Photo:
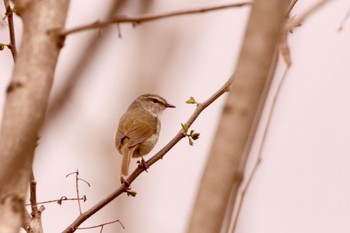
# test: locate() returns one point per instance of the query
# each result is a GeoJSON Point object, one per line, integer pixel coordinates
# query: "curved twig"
{"type": "Point", "coordinates": [101, 225]}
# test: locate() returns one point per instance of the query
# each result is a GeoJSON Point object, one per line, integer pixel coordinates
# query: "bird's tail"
{"type": "Point", "coordinates": [127, 154]}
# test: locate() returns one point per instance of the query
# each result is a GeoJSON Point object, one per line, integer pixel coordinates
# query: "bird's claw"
{"type": "Point", "coordinates": [142, 164]}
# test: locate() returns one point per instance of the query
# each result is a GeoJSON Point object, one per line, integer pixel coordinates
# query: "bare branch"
{"type": "Point", "coordinates": [32, 222]}
{"type": "Point", "coordinates": [299, 20]}
{"type": "Point", "coordinates": [33, 202]}
{"type": "Point", "coordinates": [292, 23]}
{"type": "Point", "coordinates": [140, 169]}
{"type": "Point", "coordinates": [347, 15]}
{"type": "Point", "coordinates": [9, 14]}
{"type": "Point", "coordinates": [59, 201]}
{"type": "Point", "coordinates": [291, 6]}
{"type": "Point", "coordinates": [148, 17]}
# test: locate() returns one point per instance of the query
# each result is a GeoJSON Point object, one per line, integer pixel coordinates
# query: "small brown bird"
{"type": "Point", "coordinates": [139, 128]}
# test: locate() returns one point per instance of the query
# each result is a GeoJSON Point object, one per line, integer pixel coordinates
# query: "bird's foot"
{"type": "Point", "coordinates": [142, 164]}
{"type": "Point", "coordinates": [123, 181]}
{"type": "Point", "coordinates": [127, 188]}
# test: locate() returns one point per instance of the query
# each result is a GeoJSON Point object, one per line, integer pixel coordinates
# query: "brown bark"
{"type": "Point", "coordinates": [26, 102]}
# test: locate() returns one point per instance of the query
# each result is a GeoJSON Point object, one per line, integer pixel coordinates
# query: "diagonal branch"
{"type": "Point", "coordinates": [347, 15]}
{"type": "Point", "coordinates": [149, 17]}
{"type": "Point", "coordinates": [124, 187]}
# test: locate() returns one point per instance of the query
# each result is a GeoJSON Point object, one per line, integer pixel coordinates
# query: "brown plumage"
{"type": "Point", "coordinates": [139, 127]}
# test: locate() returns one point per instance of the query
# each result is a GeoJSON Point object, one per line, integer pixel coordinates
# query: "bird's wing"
{"type": "Point", "coordinates": [140, 132]}
{"type": "Point", "coordinates": [136, 131]}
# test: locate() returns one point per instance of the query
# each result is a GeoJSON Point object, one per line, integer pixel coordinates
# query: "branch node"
{"type": "Point", "coordinates": [57, 36]}
{"type": "Point", "coordinates": [142, 164]}
{"type": "Point", "coordinates": [41, 208]}
{"type": "Point", "coordinates": [13, 86]}
{"type": "Point", "coordinates": [119, 31]}
{"type": "Point", "coordinates": [135, 23]}
{"type": "Point", "coordinates": [124, 182]}
{"type": "Point", "coordinates": [15, 200]}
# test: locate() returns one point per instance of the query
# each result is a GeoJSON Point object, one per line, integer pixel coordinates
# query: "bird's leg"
{"type": "Point", "coordinates": [127, 188]}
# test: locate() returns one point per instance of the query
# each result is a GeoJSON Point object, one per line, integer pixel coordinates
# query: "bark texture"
{"type": "Point", "coordinates": [26, 102]}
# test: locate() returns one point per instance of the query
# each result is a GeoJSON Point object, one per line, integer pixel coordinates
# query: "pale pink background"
{"type": "Point", "coordinates": [303, 182]}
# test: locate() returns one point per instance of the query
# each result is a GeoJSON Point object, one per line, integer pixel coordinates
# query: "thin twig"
{"type": "Point", "coordinates": [283, 43]}
{"type": "Point", "coordinates": [77, 190]}
{"type": "Point", "coordinates": [77, 187]}
{"type": "Point", "coordinates": [101, 225]}
{"type": "Point", "coordinates": [32, 222]}
{"type": "Point", "coordinates": [341, 26]}
{"type": "Point", "coordinates": [148, 17]}
{"type": "Point", "coordinates": [299, 20]}
{"type": "Point", "coordinates": [292, 23]}
{"type": "Point", "coordinates": [291, 6]}
{"type": "Point", "coordinates": [33, 201]}
{"type": "Point", "coordinates": [125, 186]}
{"type": "Point", "coordinates": [59, 201]}
{"type": "Point", "coordinates": [9, 14]}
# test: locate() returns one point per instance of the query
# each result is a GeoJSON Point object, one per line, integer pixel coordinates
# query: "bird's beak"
{"type": "Point", "coordinates": [170, 105]}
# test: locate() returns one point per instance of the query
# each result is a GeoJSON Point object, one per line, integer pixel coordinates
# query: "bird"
{"type": "Point", "coordinates": [138, 129]}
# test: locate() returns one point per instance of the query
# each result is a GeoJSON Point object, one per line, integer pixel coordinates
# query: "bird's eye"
{"type": "Point", "coordinates": [155, 101]}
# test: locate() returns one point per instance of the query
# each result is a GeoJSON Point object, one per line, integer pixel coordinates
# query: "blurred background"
{"type": "Point", "coordinates": [303, 182]}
